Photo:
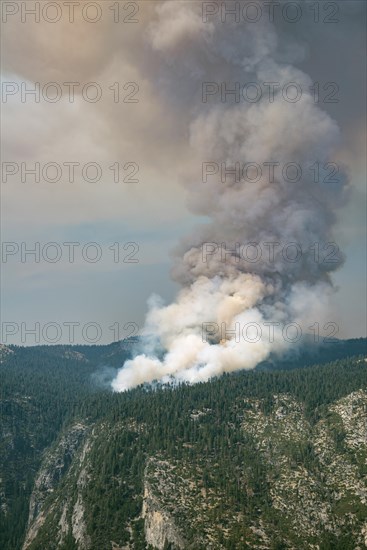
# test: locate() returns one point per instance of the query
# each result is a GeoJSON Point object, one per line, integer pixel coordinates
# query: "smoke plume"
{"type": "Point", "coordinates": [262, 259]}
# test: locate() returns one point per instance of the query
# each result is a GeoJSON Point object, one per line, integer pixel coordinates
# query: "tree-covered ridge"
{"type": "Point", "coordinates": [199, 431]}
{"type": "Point", "coordinates": [217, 478]}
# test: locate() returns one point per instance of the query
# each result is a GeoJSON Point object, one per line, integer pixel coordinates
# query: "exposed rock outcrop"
{"type": "Point", "coordinates": [159, 527]}
{"type": "Point", "coordinates": [54, 467]}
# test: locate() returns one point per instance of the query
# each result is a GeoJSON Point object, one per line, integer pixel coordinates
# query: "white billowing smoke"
{"type": "Point", "coordinates": [236, 297]}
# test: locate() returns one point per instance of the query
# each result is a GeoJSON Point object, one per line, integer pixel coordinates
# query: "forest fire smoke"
{"type": "Point", "coordinates": [237, 290]}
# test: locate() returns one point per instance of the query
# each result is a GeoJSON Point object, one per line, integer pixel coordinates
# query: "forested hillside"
{"type": "Point", "coordinates": [267, 459]}
{"type": "Point", "coordinates": [40, 389]}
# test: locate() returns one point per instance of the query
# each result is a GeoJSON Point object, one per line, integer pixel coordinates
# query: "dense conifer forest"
{"type": "Point", "coordinates": [197, 431]}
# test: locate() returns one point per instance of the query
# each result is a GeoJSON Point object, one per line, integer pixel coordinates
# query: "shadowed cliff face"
{"type": "Point", "coordinates": [65, 460]}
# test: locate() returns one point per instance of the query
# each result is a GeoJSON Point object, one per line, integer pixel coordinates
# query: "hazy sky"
{"type": "Point", "coordinates": [141, 135]}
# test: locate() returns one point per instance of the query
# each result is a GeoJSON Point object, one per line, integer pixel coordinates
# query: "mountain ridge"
{"type": "Point", "coordinates": [99, 489]}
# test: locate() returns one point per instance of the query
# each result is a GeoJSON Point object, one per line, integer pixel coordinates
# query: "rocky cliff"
{"type": "Point", "coordinates": [311, 476]}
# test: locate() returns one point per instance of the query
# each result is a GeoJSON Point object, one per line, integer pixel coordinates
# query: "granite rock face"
{"type": "Point", "coordinates": [313, 472]}
{"type": "Point", "coordinates": [159, 526]}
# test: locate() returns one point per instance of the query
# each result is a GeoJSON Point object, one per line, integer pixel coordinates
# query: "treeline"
{"type": "Point", "coordinates": [315, 386]}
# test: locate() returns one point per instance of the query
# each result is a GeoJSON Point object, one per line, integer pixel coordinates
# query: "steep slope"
{"type": "Point", "coordinates": [40, 388]}
{"type": "Point", "coordinates": [252, 461]}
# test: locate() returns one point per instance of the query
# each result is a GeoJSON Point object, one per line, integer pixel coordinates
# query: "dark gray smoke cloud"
{"type": "Point", "coordinates": [184, 52]}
